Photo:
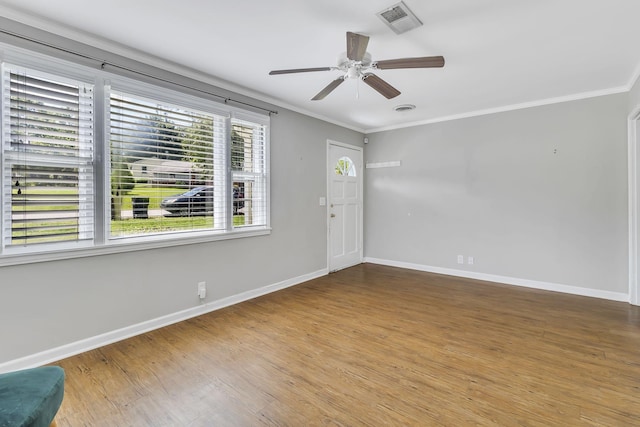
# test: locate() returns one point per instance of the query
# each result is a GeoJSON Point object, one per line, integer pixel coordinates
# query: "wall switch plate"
{"type": "Point", "coordinates": [323, 201]}
{"type": "Point", "coordinates": [460, 259]}
{"type": "Point", "coordinates": [470, 260]}
{"type": "Point", "coordinates": [202, 290]}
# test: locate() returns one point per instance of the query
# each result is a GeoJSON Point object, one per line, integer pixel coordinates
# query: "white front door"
{"type": "Point", "coordinates": [345, 205]}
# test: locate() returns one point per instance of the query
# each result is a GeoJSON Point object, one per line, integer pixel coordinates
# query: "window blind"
{"type": "Point", "coordinates": [176, 166]}
{"type": "Point", "coordinates": [248, 170]}
{"type": "Point", "coordinates": [47, 159]}
{"type": "Point", "coordinates": [170, 159]}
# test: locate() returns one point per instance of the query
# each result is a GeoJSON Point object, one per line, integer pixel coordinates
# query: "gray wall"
{"type": "Point", "coordinates": [537, 194]}
{"type": "Point", "coordinates": [634, 96]}
{"type": "Point", "coordinates": [46, 305]}
{"type": "Point", "coordinates": [50, 304]}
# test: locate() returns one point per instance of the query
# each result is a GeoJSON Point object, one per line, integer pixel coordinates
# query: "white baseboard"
{"type": "Point", "coordinates": [535, 284]}
{"type": "Point", "coordinates": [68, 350]}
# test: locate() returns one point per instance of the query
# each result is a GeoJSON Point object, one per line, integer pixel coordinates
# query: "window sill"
{"type": "Point", "coordinates": [129, 245]}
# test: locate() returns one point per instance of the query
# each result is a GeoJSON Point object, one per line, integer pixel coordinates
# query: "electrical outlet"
{"type": "Point", "coordinates": [460, 259]}
{"type": "Point", "coordinates": [470, 260]}
{"type": "Point", "coordinates": [202, 290]}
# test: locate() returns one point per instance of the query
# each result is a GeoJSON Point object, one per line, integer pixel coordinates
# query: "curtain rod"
{"type": "Point", "coordinates": [104, 63]}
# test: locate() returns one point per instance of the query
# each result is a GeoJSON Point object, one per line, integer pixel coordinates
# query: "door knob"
{"type": "Point", "coordinates": [333, 215]}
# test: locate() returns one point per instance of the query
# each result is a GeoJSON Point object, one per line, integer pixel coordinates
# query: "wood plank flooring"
{"type": "Point", "coordinates": [373, 345]}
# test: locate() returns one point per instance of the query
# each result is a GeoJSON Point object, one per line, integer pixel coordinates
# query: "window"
{"type": "Point", "coordinates": [345, 167]}
{"type": "Point", "coordinates": [248, 173]}
{"type": "Point", "coordinates": [174, 166]}
{"type": "Point", "coordinates": [162, 160]}
{"type": "Point", "coordinates": [47, 159]}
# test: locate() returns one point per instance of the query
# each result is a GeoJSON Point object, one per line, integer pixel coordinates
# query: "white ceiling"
{"type": "Point", "coordinates": [499, 53]}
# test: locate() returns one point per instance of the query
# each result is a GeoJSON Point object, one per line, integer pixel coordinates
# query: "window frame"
{"type": "Point", "coordinates": [103, 82]}
{"type": "Point", "coordinates": [147, 92]}
{"type": "Point", "coordinates": [256, 176]}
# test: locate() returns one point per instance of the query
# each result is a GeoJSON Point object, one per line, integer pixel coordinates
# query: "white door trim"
{"type": "Point", "coordinates": [634, 186]}
{"type": "Point", "coordinates": [360, 178]}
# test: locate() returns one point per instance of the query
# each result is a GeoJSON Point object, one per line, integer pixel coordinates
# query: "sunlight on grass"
{"type": "Point", "coordinates": [155, 195]}
{"type": "Point", "coordinates": [135, 226]}
{"type": "Point", "coordinates": [120, 227]}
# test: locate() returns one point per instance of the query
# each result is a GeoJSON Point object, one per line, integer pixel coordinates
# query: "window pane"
{"type": "Point", "coordinates": [164, 174]}
{"type": "Point", "coordinates": [345, 167]}
{"type": "Point", "coordinates": [248, 164]}
{"type": "Point", "coordinates": [48, 165]}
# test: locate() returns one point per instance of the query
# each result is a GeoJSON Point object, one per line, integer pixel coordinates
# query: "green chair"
{"type": "Point", "coordinates": [32, 397]}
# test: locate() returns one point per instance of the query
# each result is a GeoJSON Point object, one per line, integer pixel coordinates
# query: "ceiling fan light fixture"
{"type": "Point", "coordinates": [353, 73]}
{"type": "Point", "coordinates": [404, 107]}
{"type": "Point", "coordinates": [399, 18]}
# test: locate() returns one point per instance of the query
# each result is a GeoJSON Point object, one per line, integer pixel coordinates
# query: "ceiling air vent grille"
{"type": "Point", "coordinates": [404, 107]}
{"type": "Point", "coordinates": [393, 14]}
{"type": "Point", "coordinates": [399, 18]}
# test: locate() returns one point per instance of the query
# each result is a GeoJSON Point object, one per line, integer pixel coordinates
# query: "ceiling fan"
{"type": "Point", "coordinates": [356, 63]}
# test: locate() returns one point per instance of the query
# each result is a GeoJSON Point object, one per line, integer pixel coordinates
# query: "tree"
{"type": "Point", "coordinates": [122, 180]}
{"type": "Point", "coordinates": [156, 136]}
{"type": "Point", "coordinates": [237, 148]}
{"type": "Point", "coordinates": [198, 148]}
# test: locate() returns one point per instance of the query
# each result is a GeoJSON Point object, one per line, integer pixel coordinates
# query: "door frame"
{"type": "Point", "coordinates": [360, 178]}
{"type": "Point", "coordinates": [633, 124]}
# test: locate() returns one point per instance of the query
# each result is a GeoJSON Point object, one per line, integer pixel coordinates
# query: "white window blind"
{"type": "Point", "coordinates": [249, 173]}
{"type": "Point", "coordinates": [167, 167]}
{"type": "Point", "coordinates": [177, 168]}
{"type": "Point", "coordinates": [47, 159]}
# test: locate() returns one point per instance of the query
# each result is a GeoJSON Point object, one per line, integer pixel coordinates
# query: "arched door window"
{"type": "Point", "coordinates": [345, 167]}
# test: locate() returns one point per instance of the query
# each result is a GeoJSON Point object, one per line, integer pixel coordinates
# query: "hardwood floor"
{"type": "Point", "coordinates": [373, 345]}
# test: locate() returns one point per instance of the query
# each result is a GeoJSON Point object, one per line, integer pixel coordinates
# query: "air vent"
{"type": "Point", "coordinates": [404, 107]}
{"type": "Point", "coordinates": [399, 18]}
{"type": "Point", "coordinates": [393, 14]}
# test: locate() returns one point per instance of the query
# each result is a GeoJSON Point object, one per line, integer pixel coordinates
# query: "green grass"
{"type": "Point", "coordinates": [127, 227]}
{"type": "Point", "coordinates": [122, 228]}
{"type": "Point", "coordinates": [19, 205]}
{"type": "Point", "coordinates": [155, 195]}
{"type": "Point", "coordinates": [39, 232]}
{"type": "Point", "coordinates": [133, 226]}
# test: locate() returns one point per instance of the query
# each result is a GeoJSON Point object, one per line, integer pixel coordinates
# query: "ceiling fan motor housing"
{"type": "Point", "coordinates": [354, 69]}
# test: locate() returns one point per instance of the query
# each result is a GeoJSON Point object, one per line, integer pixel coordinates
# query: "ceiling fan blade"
{"type": "Point", "coordinates": [327, 90]}
{"type": "Point", "coordinates": [356, 46]}
{"type": "Point", "coordinates": [384, 88]}
{"type": "Point", "coordinates": [421, 62]}
{"type": "Point", "coordinates": [299, 70]}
